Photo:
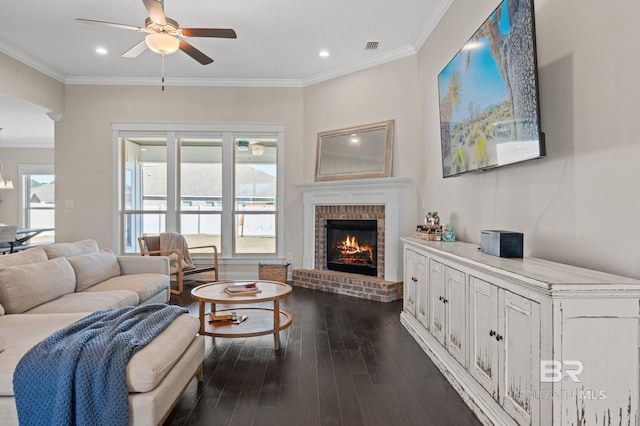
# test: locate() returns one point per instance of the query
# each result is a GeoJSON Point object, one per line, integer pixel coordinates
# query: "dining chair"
{"type": "Point", "coordinates": [8, 236]}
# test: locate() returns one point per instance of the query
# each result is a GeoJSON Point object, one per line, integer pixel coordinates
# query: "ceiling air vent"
{"type": "Point", "coordinates": [371, 45]}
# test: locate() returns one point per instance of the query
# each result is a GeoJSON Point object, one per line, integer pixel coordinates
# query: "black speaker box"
{"type": "Point", "coordinates": [501, 243]}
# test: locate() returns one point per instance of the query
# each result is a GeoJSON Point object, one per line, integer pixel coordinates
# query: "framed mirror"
{"type": "Point", "coordinates": [355, 152]}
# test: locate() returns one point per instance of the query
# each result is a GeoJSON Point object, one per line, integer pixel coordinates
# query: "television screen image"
{"type": "Point", "coordinates": [488, 94]}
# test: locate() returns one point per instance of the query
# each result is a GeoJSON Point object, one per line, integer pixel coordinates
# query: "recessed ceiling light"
{"type": "Point", "coordinates": [101, 51]}
{"type": "Point", "coordinates": [323, 53]}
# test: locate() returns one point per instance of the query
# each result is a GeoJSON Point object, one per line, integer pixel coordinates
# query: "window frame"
{"type": "Point", "coordinates": [27, 170]}
{"type": "Point", "coordinates": [227, 132]}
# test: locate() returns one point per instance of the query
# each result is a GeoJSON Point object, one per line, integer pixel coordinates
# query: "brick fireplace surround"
{"type": "Point", "coordinates": [377, 199]}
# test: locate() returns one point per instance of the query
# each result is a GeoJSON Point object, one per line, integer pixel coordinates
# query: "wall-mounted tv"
{"type": "Point", "coordinates": [488, 93]}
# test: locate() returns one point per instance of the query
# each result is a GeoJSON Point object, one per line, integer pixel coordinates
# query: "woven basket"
{"type": "Point", "coordinates": [272, 272]}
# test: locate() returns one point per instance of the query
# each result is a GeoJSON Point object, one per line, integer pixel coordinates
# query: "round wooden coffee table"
{"type": "Point", "coordinates": [260, 320]}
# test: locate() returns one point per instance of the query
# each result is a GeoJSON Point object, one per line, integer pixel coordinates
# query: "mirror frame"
{"type": "Point", "coordinates": [387, 126]}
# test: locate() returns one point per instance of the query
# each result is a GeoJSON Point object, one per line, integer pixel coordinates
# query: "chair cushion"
{"type": "Point", "coordinates": [70, 249]}
{"type": "Point", "coordinates": [88, 302]}
{"type": "Point", "coordinates": [27, 286]}
{"type": "Point", "coordinates": [93, 268]}
{"type": "Point", "coordinates": [146, 285]}
{"type": "Point", "coordinates": [33, 255]}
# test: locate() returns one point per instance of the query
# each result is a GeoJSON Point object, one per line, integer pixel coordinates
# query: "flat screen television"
{"type": "Point", "coordinates": [488, 94]}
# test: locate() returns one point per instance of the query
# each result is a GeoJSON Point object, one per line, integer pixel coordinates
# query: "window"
{"type": "Point", "coordinates": [255, 191]}
{"type": "Point", "coordinates": [224, 183]}
{"type": "Point", "coordinates": [37, 200]}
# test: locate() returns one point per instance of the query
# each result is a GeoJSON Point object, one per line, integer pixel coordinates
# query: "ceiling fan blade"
{"type": "Point", "coordinates": [195, 53]}
{"type": "Point", "coordinates": [155, 11]}
{"type": "Point", "coordinates": [112, 25]}
{"type": "Point", "coordinates": [136, 50]}
{"type": "Point", "coordinates": [209, 32]}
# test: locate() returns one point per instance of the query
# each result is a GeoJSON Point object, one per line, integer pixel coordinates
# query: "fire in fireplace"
{"type": "Point", "coordinates": [352, 246]}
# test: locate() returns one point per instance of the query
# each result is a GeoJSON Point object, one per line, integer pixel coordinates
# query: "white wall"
{"type": "Point", "coordinates": [581, 204]}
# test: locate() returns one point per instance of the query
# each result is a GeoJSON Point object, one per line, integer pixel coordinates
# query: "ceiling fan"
{"type": "Point", "coordinates": [164, 34]}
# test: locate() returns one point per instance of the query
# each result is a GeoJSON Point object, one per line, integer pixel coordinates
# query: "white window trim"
{"type": "Point", "coordinates": [171, 130]}
{"type": "Point", "coordinates": [25, 169]}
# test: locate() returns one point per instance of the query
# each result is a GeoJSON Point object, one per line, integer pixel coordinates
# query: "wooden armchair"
{"type": "Point", "coordinates": [150, 246]}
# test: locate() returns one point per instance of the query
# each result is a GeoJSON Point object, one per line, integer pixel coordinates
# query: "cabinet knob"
{"type": "Point", "coordinates": [440, 298]}
{"type": "Point", "coordinates": [492, 333]}
{"type": "Point", "coordinates": [498, 337]}
{"type": "Point", "coordinates": [445, 300]}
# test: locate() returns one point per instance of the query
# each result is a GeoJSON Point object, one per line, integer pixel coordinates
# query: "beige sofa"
{"type": "Point", "coordinates": [48, 288]}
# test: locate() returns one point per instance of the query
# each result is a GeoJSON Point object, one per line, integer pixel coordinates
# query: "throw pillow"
{"type": "Point", "coordinates": [93, 268]}
{"type": "Point", "coordinates": [27, 286]}
{"type": "Point", "coordinates": [70, 249]}
{"type": "Point", "coordinates": [33, 255]}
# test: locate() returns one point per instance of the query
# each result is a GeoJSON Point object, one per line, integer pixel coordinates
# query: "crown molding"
{"type": "Point", "coordinates": [373, 61]}
{"type": "Point", "coordinates": [155, 81]}
{"type": "Point", "coordinates": [440, 8]}
{"type": "Point", "coordinates": [438, 11]}
{"type": "Point", "coordinates": [22, 57]}
{"type": "Point", "coordinates": [38, 143]}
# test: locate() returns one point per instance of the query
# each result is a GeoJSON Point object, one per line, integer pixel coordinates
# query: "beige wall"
{"type": "Point", "coordinates": [85, 170]}
{"type": "Point", "coordinates": [376, 94]}
{"type": "Point", "coordinates": [22, 81]}
{"type": "Point", "coordinates": [581, 204]}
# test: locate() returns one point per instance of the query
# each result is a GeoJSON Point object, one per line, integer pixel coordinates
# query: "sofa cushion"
{"type": "Point", "coordinates": [33, 255]}
{"type": "Point", "coordinates": [88, 302]}
{"type": "Point", "coordinates": [20, 333]}
{"type": "Point", "coordinates": [1, 310]}
{"type": "Point", "coordinates": [147, 368]}
{"type": "Point", "coordinates": [93, 268]}
{"type": "Point", "coordinates": [146, 285]}
{"type": "Point", "coordinates": [70, 249]}
{"type": "Point", "coordinates": [27, 286]}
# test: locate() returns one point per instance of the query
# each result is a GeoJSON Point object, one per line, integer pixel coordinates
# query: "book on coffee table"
{"type": "Point", "coordinates": [242, 289]}
{"type": "Point", "coordinates": [222, 317]}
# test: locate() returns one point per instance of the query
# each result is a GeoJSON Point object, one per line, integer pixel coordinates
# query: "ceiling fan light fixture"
{"type": "Point", "coordinates": [163, 44]}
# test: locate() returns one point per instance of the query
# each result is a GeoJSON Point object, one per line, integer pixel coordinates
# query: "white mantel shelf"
{"type": "Point", "coordinates": [379, 191]}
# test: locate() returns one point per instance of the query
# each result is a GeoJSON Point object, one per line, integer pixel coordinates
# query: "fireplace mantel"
{"type": "Point", "coordinates": [381, 191]}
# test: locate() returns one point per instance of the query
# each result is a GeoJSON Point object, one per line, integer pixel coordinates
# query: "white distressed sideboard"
{"type": "Point", "coordinates": [525, 341]}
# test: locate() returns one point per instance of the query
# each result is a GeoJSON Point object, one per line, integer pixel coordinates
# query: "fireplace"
{"type": "Point", "coordinates": [352, 246]}
{"type": "Point", "coordinates": [376, 200]}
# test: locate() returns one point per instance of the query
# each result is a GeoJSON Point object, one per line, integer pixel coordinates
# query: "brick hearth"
{"type": "Point", "coordinates": [355, 285]}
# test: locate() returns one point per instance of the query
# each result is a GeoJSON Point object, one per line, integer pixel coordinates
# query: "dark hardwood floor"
{"type": "Point", "coordinates": [343, 361]}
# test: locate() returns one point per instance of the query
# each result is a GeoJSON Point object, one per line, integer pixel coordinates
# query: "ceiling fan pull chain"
{"type": "Point", "coordinates": [163, 73]}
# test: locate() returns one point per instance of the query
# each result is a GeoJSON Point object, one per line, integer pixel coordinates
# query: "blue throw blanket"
{"type": "Point", "coordinates": [77, 376]}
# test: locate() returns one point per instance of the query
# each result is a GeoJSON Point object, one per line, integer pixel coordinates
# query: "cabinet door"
{"type": "Point", "coordinates": [438, 295]}
{"type": "Point", "coordinates": [422, 290]}
{"type": "Point", "coordinates": [519, 336]}
{"type": "Point", "coordinates": [483, 310]}
{"type": "Point", "coordinates": [410, 281]}
{"type": "Point", "coordinates": [599, 342]}
{"type": "Point", "coordinates": [456, 314]}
